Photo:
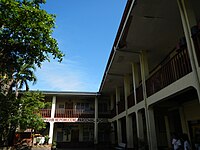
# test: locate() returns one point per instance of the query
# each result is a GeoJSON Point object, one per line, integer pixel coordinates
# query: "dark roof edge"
{"type": "Point", "coordinates": [70, 93]}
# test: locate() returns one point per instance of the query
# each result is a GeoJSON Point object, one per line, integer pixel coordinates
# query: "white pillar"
{"type": "Point", "coordinates": [51, 132]}
{"type": "Point", "coordinates": [117, 99]}
{"type": "Point", "coordinates": [53, 106]}
{"type": "Point", "coordinates": [135, 80]}
{"type": "Point", "coordinates": [112, 102]}
{"type": "Point", "coordinates": [144, 75]}
{"type": "Point", "coordinates": [183, 120]}
{"type": "Point", "coordinates": [127, 90]}
{"type": "Point", "coordinates": [119, 131]}
{"type": "Point", "coordinates": [153, 145]}
{"type": "Point", "coordinates": [140, 127]}
{"type": "Point", "coordinates": [96, 122]}
{"type": "Point", "coordinates": [53, 109]}
{"type": "Point", "coordinates": [129, 130]}
{"type": "Point", "coordinates": [112, 135]}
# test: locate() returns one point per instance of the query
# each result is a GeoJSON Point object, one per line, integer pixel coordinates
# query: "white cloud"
{"type": "Point", "coordinates": [66, 76]}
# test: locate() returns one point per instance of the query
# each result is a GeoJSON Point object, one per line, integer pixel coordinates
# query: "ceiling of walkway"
{"type": "Point", "coordinates": [154, 26]}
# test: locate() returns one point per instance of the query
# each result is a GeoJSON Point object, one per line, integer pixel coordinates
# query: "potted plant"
{"type": "Point", "coordinates": [53, 146]}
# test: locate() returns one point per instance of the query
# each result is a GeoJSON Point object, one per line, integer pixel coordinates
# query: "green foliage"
{"type": "Point", "coordinates": [30, 104]}
{"type": "Point", "coordinates": [22, 111]}
{"type": "Point", "coordinates": [25, 35]}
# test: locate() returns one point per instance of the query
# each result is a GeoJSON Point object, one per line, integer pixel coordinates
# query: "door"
{"type": "Point", "coordinates": [75, 135]}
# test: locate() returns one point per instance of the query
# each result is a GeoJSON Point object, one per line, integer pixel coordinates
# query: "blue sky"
{"type": "Point", "coordinates": [85, 31]}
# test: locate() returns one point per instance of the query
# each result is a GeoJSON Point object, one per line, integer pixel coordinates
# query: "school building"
{"type": "Point", "coordinates": [151, 85]}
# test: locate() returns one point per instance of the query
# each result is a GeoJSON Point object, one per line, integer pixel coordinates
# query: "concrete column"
{"type": "Point", "coordinates": [183, 120]}
{"type": "Point", "coordinates": [129, 130]}
{"type": "Point", "coordinates": [168, 131]}
{"type": "Point", "coordinates": [144, 74]}
{"type": "Point", "coordinates": [127, 90]}
{"type": "Point", "coordinates": [119, 131]}
{"type": "Point", "coordinates": [112, 102]}
{"type": "Point", "coordinates": [51, 132]}
{"type": "Point", "coordinates": [96, 122]}
{"type": "Point", "coordinates": [187, 18]}
{"type": "Point", "coordinates": [117, 99]}
{"type": "Point", "coordinates": [153, 145]}
{"type": "Point", "coordinates": [112, 135]}
{"type": "Point", "coordinates": [140, 127]}
{"type": "Point", "coordinates": [135, 79]}
{"type": "Point", "coordinates": [53, 107]}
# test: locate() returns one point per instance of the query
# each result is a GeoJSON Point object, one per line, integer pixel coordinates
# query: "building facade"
{"type": "Point", "coordinates": [76, 118]}
{"type": "Point", "coordinates": [151, 85]}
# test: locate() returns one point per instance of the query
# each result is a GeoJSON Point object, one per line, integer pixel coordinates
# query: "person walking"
{"type": "Point", "coordinates": [186, 143]}
{"type": "Point", "coordinates": [176, 142]}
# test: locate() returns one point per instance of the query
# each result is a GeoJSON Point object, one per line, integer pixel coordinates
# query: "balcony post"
{"type": "Point", "coordinates": [144, 74]}
{"type": "Point", "coordinates": [129, 131]}
{"type": "Point", "coordinates": [117, 90]}
{"type": "Point", "coordinates": [140, 128]}
{"type": "Point", "coordinates": [135, 79]}
{"type": "Point", "coordinates": [53, 109]}
{"type": "Point", "coordinates": [152, 132]}
{"type": "Point", "coordinates": [112, 102]}
{"type": "Point", "coordinates": [119, 130]}
{"type": "Point", "coordinates": [96, 122]}
{"type": "Point", "coordinates": [51, 132]}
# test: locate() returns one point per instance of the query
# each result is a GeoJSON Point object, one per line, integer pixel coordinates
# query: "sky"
{"type": "Point", "coordinates": [85, 32]}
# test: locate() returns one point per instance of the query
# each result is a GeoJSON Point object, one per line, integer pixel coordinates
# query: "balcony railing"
{"type": "Point", "coordinates": [113, 112]}
{"type": "Point", "coordinates": [105, 114]}
{"type": "Point", "coordinates": [131, 100]}
{"type": "Point", "coordinates": [175, 68]}
{"type": "Point", "coordinates": [67, 113]}
{"type": "Point", "coordinates": [121, 106]}
{"type": "Point", "coordinates": [45, 113]}
{"type": "Point", "coordinates": [139, 93]}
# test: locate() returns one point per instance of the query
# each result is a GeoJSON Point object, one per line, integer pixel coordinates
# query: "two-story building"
{"type": "Point", "coordinates": [151, 85]}
{"type": "Point", "coordinates": [76, 118]}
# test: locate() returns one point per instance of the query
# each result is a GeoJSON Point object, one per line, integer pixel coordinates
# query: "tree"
{"type": "Point", "coordinates": [25, 35]}
{"type": "Point", "coordinates": [25, 42]}
{"type": "Point", "coordinates": [22, 111]}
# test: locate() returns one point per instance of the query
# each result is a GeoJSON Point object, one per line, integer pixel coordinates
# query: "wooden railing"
{"type": "Point", "coordinates": [68, 113]}
{"type": "Point", "coordinates": [113, 112]}
{"type": "Point", "coordinates": [105, 114]}
{"type": "Point", "coordinates": [121, 106]}
{"type": "Point", "coordinates": [131, 100]}
{"type": "Point", "coordinates": [45, 113]}
{"type": "Point", "coordinates": [139, 93]}
{"type": "Point", "coordinates": [175, 68]}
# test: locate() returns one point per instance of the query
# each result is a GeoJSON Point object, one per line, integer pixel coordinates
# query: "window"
{"type": "Point", "coordinates": [83, 106]}
{"type": "Point", "coordinates": [61, 106]}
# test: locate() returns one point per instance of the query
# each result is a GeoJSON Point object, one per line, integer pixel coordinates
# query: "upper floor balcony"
{"type": "Point", "coordinates": [169, 71]}
{"type": "Point", "coordinates": [73, 113]}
